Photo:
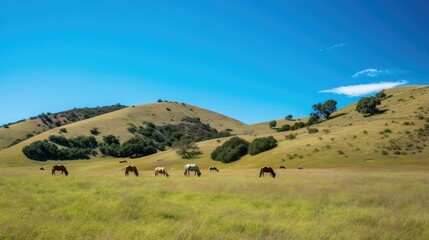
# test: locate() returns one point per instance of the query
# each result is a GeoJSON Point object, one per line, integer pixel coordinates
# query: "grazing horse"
{"type": "Point", "coordinates": [43, 169]}
{"type": "Point", "coordinates": [123, 161]}
{"type": "Point", "coordinates": [213, 168]}
{"type": "Point", "coordinates": [59, 168]}
{"type": "Point", "coordinates": [267, 169]}
{"type": "Point", "coordinates": [300, 168]}
{"type": "Point", "coordinates": [282, 167]}
{"type": "Point", "coordinates": [162, 171]}
{"type": "Point", "coordinates": [131, 169]}
{"type": "Point", "coordinates": [192, 167]}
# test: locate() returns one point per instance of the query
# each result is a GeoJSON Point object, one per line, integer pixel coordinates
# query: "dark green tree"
{"type": "Point", "coordinates": [259, 145]}
{"type": "Point", "coordinates": [186, 148]}
{"type": "Point", "coordinates": [313, 119]}
{"type": "Point", "coordinates": [289, 117]}
{"type": "Point", "coordinates": [231, 150]}
{"type": "Point", "coordinates": [136, 147]}
{"type": "Point", "coordinates": [368, 106]}
{"type": "Point", "coordinates": [326, 109]}
{"type": "Point", "coordinates": [273, 124]}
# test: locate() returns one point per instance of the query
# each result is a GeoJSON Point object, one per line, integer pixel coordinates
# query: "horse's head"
{"type": "Point", "coordinates": [199, 174]}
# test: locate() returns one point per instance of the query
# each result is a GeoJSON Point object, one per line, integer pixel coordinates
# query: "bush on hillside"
{"type": "Point", "coordinates": [284, 128]}
{"type": "Point", "coordinates": [368, 106]}
{"type": "Point", "coordinates": [231, 150]}
{"type": "Point", "coordinates": [41, 151]}
{"type": "Point", "coordinates": [136, 147]}
{"type": "Point", "coordinates": [259, 145]}
{"type": "Point", "coordinates": [60, 140]}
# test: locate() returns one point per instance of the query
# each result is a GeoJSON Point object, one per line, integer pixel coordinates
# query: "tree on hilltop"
{"type": "Point", "coordinates": [368, 106]}
{"type": "Point", "coordinates": [326, 109]}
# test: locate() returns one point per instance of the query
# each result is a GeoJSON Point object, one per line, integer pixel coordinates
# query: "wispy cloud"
{"type": "Point", "coordinates": [363, 89]}
{"type": "Point", "coordinates": [339, 45]}
{"type": "Point", "coordinates": [373, 72]}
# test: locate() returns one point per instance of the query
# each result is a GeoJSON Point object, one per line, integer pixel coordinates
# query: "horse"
{"type": "Point", "coordinates": [59, 168]}
{"type": "Point", "coordinates": [267, 169]}
{"type": "Point", "coordinates": [213, 168]}
{"type": "Point", "coordinates": [192, 167]}
{"type": "Point", "coordinates": [162, 171]}
{"type": "Point", "coordinates": [133, 169]}
{"type": "Point", "coordinates": [123, 161]}
{"type": "Point", "coordinates": [282, 167]}
{"type": "Point", "coordinates": [300, 168]}
{"type": "Point", "coordinates": [42, 168]}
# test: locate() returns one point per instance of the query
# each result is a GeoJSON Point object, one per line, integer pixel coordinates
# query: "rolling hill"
{"type": "Point", "coordinates": [397, 137]}
{"type": "Point", "coordinates": [13, 133]}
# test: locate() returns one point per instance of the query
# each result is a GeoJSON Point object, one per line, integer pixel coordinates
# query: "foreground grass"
{"type": "Point", "coordinates": [309, 204]}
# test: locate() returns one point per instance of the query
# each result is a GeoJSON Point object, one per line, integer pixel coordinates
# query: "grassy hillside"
{"type": "Point", "coordinates": [397, 137]}
{"type": "Point", "coordinates": [117, 124]}
{"type": "Point", "coordinates": [13, 133]}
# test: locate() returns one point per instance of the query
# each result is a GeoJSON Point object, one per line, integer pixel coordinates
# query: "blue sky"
{"type": "Point", "coordinates": [251, 60]}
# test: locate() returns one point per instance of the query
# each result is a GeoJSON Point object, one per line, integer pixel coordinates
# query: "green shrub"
{"type": "Point", "coordinates": [60, 140]}
{"type": "Point", "coordinates": [290, 136]}
{"type": "Point", "coordinates": [284, 128]}
{"type": "Point", "coordinates": [94, 131]}
{"type": "Point", "coordinates": [231, 150]}
{"type": "Point", "coordinates": [41, 151]}
{"type": "Point", "coordinates": [312, 130]}
{"type": "Point", "coordinates": [259, 145]}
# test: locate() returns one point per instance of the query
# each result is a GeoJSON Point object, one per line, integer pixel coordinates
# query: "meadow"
{"type": "Point", "coordinates": [335, 203]}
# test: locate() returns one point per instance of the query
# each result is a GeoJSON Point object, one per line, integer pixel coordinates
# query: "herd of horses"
{"type": "Point", "coordinates": [162, 171]}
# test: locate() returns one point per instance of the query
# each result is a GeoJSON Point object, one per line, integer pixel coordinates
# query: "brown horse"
{"type": "Point", "coordinates": [282, 167]}
{"type": "Point", "coordinates": [267, 169]}
{"type": "Point", "coordinates": [162, 171]}
{"type": "Point", "coordinates": [59, 168]}
{"type": "Point", "coordinates": [300, 168]}
{"type": "Point", "coordinates": [131, 169]}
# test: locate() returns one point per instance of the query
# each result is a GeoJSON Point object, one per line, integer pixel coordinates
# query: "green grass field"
{"type": "Point", "coordinates": [233, 204]}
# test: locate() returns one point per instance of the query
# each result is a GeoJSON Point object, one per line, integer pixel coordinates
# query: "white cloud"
{"type": "Point", "coordinates": [333, 47]}
{"type": "Point", "coordinates": [363, 89]}
{"type": "Point", "coordinates": [372, 72]}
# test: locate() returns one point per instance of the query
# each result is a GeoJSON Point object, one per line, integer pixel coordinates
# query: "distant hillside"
{"type": "Point", "coordinates": [13, 133]}
{"type": "Point", "coordinates": [120, 123]}
{"type": "Point", "coordinates": [398, 136]}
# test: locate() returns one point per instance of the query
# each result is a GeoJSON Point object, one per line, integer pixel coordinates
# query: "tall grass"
{"type": "Point", "coordinates": [309, 204]}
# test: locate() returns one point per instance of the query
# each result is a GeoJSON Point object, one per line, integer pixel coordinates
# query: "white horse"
{"type": "Point", "coordinates": [192, 167]}
{"type": "Point", "coordinates": [162, 171]}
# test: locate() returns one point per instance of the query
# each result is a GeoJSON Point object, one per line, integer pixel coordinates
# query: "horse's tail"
{"type": "Point", "coordinates": [53, 171]}
{"type": "Point", "coordinates": [260, 173]}
{"type": "Point", "coordinates": [186, 172]}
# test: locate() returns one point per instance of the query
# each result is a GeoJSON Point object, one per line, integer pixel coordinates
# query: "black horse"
{"type": "Point", "coordinates": [213, 168]}
{"type": "Point", "coordinates": [267, 170]}
{"type": "Point", "coordinates": [131, 169]}
{"type": "Point", "coordinates": [60, 168]}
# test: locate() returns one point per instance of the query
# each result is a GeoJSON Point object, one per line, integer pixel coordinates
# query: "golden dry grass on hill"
{"type": "Point", "coordinates": [397, 137]}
